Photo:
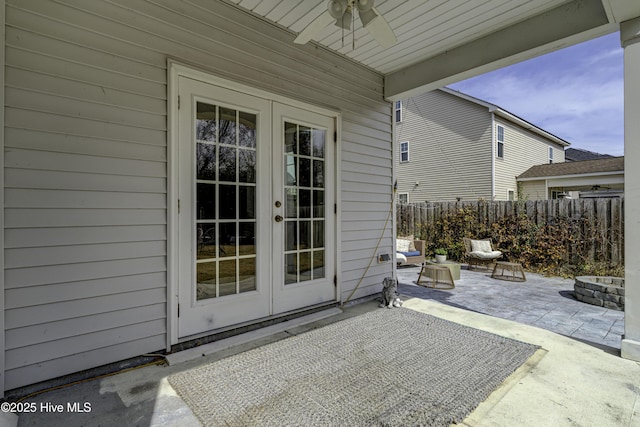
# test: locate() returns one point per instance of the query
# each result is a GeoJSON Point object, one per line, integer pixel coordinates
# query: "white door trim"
{"type": "Point", "coordinates": [174, 71]}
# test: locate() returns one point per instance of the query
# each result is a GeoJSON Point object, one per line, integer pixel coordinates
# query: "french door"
{"type": "Point", "coordinates": [256, 224]}
{"type": "Point", "coordinates": [304, 208]}
{"type": "Point", "coordinates": [222, 222]}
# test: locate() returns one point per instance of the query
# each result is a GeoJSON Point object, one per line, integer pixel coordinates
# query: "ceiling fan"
{"type": "Point", "coordinates": [341, 12]}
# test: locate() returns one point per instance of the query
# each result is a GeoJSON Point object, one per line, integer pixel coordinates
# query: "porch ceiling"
{"type": "Point", "coordinates": [443, 41]}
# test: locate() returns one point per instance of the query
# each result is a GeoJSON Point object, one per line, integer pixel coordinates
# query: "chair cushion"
{"type": "Point", "coordinates": [480, 246]}
{"type": "Point", "coordinates": [486, 255]}
{"type": "Point", "coordinates": [405, 245]}
{"type": "Point", "coordinates": [411, 253]}
{"type": "Point", "coordinates": [400, 259]}
{"type": "Point", "coordinates": [402, 245]}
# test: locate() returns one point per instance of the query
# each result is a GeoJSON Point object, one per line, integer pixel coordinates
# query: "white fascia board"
{"type": "Point", "coordinates": [570, 23]}
{"type": "Point", "coordinates": [575, 176]}
{"type": "Point", "coordinates": [621, 10]}
{"type": "Point", "coordinates": [595, 180]}
{"type": "Point", "coordinates": [491, 107]}
{"type": "Point", "coordinates": [531, 127]}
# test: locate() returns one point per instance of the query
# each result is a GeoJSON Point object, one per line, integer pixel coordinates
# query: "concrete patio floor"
{"type": "Point", "coordinates": [545, 302]}
{"type": "Point", "coordinates": [571, 383]}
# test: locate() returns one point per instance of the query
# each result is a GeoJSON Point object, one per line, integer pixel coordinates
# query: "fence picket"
{"type": "Point", "coordinates": [617, 228]}
{"type": "Point", "coordinates": [598, 234]}
{"type": "Point", "coordinates": [539, 212]}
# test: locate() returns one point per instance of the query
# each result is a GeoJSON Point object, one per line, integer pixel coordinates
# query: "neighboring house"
{"type": "Point", "coordinates": [451, 146]}
{"type": "Point", "coordinates": [174, 170]}
{"type": "Point", "coordinates": [578, 154]}
{"type": "Point", "coordinates": [582, 179]}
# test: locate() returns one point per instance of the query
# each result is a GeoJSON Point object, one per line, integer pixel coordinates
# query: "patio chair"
{"type": "Point", "coordinates": [410, 251]}
{"type": "Point", "coordinates": [480, 253]}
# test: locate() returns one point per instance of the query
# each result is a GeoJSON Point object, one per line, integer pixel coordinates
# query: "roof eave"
{"type": "Point", "coordinates": [530, 126]}
{"type": "Point", "coordinates": [574, 175]}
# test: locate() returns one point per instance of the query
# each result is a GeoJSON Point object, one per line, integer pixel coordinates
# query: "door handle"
{"type": "Point", "coordinates": [278, 218]}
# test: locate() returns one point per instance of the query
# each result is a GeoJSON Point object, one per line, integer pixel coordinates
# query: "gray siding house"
{"type": "Point", "coordinates": [453, 146]}
{"type": "Point", "coordinates": [121, 238]}
{"type": "Point", "coordinates": [176, 169]}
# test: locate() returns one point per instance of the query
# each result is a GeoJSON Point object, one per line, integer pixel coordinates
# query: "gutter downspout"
{"type": "Point", "coordinates": [493, 155]}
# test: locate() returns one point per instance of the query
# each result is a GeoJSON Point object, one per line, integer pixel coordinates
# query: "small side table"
{"type": "Point", "coordinates": [438, 277]}
{"type": "Point", "coordinates": [514, 271]}
{"type": "Point", "coordinates": [453, 267]}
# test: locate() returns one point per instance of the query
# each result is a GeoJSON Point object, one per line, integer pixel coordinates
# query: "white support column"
{"type": "Point", "coordinates": [630, 39]}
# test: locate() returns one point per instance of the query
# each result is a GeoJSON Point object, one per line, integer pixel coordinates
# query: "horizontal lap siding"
{"type": "Point", "coordinates": [449, 149]}
{"type": "Point", "coordinates": [533, 190]}
{"type": "Point", "coordinates": [366, 203]}
{"type": "Point", "coordinates": [522, 149]}
{"type": "Point", "coordinates": [85, 200]}
{"type": "Point", "coordinates": [86, 161]}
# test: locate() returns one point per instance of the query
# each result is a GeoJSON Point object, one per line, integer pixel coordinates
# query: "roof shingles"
{"type": "Point", "coordinates": [613, 164]}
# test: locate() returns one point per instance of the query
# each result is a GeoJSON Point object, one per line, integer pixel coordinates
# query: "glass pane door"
{"type": "Point", "coordinates": [225, 225]}
{"type": "Point", "coordinates": [224, 176]}
{"type": "Point", "coordinates": [304, 160]}
{"type": "Point", "coordinates": [256, 194]}
{"type": "Point", "coordinates": [304, 217]}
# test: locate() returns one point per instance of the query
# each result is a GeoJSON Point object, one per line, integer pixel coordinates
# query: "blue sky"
{"type": "Point", "coordinates": [575, 93]}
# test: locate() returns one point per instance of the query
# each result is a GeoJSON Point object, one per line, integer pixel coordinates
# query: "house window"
{"type": "Point", "coordinates": [398, 111]}
{"type": "Point", "coordinates": [404, 152]}
{"type": "Point", "coordinates": [403, 198]}
{"type": "Point", "coordinates": [500, 146]}
{"type": "Point", "coordinates": [511, 195]}
{"type": "Point", "coordinates": [550, 154]}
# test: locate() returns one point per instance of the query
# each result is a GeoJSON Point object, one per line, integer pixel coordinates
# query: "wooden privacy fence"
{"type": "Point", "coordinates": [595, 227]}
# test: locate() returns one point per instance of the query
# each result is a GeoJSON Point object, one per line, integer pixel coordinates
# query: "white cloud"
{"type": "Point", "coordinates": [575, 93]}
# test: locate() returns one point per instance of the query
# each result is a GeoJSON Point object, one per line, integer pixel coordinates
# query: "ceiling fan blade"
{"type": "Point", "coordinates": [380, 30]}
{"type": "Point", "coordinates": [314, 28]}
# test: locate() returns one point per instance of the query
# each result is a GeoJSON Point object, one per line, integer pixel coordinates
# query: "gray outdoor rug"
{"type": "Point", "coordinates": [387, 367]}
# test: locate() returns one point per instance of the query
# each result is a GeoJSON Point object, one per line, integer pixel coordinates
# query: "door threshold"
{"type": "Point", "coordinates": [245, 334]}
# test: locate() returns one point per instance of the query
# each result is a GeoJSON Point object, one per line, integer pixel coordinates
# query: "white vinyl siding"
{"type": "Point", "coordinates": [86, 165]}
{"type": "Point", "coordinates": [85, 196]}
{"type": "Point", "coordinates": [525, 149]}
{"type": "Point", "coordinates": [450, 149]}
{"type": "Point", "coordinates": [534, 190]}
